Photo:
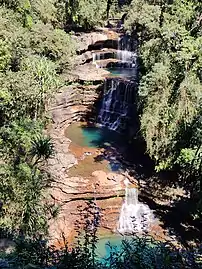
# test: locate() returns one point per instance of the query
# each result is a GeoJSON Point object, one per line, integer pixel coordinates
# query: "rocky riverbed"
{"type": "Point", "coordinates": [81, 173]}
{"type": "Point", "coordinates": [80, 176]}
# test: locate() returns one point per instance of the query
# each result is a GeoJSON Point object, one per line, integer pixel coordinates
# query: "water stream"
{"type": "Point", "coordinates": [117, 113]}
{"type": "Point", "coordinates": [135, 217]}
{"type": "Point", "coordinates": [118, 106]}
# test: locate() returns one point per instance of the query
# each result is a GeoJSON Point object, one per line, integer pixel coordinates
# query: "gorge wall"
{"type": "Point", "coordinates": [81, 174]}
{"type": "Point", "coordinates": [74, 102]}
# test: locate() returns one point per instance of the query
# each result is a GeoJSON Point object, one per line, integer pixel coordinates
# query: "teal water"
{"type": "Point", "coordinates": [122, 72]}
{"type": "Point", "coordinates": [99, 137]}
{"type": "Point", "coordinates": [92, 136]}
{"type": "Point", "coordinates": [108, 244]}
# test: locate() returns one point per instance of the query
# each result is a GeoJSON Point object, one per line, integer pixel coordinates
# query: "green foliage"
{"type": "Point", "coordinates": [170, 89]}
{"type": "Point", "coordinates": [186, 156]}
{"type": "Point", "coordinates": [142, 253]}
{"type": "Point", "coordinates": [55, 44]}
{"type": "Point", "coordinates": [146, 253]}
{"type": "Point", "coordinates": [22, 210]}
{"type": "Point", "coordinates": [42, 148]}
{"type": "Point", "coordinates": [21, 182]}
{"type": "Point", "coordinates": [170, 85]}
{"type": "Point", "coordinates": [25, 93]}
{"type": "Point", "coordinates": [87, 13]}
{"type": "Point", "coordinates": [33, 54]}
{"type": "Point", "coordinates": [5, 54]}
{"type": "Point", "coordinates": [11, 3]}
{"type": "Point", "coordinates": [156, 121]}
{"type": "Point", "coordinates": [16, 138]}
{"type": "Point", "coordinates": [45, 10]}
{"type": "Point", "coordinates": [146, 15]}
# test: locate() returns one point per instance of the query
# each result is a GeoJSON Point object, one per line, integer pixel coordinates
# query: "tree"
{"type": "Point", "coordinates": [42, 149]}
{"type": "Point", "coordinates": [86, 14]}
{"type": "Point", "coordinates": [170, 93]}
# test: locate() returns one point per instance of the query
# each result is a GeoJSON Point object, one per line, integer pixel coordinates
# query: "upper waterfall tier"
{"type": "Point", "coordinates": [118, 107]}
{"type": "Point", "coordinates": [123, 57]}
{"type": "Point", "coordinates": [127, 43]}
{"type": "Point", "coordinates": [126, 59]}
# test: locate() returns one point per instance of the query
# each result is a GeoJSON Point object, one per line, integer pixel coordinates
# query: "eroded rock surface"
{"type": "Point", "coordinates": [84, 40]}
{"type": "Point", "coordinates": [75, 181]}
{"type": "Point", "coordinates": [77, 177]}
{"type": "Point", "coordinates": [72, 103]}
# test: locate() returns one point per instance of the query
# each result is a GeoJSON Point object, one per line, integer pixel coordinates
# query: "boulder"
{"type": "Point", "coordinates": [84, 40]}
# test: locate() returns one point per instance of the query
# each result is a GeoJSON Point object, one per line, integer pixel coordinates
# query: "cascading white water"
{"type": "Point", "coordinates": [125, 52]}
{"type": "Point", "coordinates": [117, 104]}
{"type": "Point", "coordinates": [95, 58]}
{"type": "Point", "coordinates": [125, 55]}
{"type": "Point", "coordinates": [135, 217]}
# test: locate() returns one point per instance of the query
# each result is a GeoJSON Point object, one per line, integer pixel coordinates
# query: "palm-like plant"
{"type": "Point", "coordinates": [42, 149]}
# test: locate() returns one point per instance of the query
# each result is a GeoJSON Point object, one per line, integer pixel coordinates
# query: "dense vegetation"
{"type": "Point", "coordinates": [143, 253]}
{"type": "Point", "coordinates": [170, 90]}
{"type": "Point", "coordinates": [36, 49]}
{"type": "Point", "coordinates": [33, 54]}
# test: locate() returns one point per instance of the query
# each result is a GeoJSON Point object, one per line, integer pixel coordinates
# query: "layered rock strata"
{"type": "Point", "coordinates": [72, 103]}
{"type": "Point", "coordinates": [77, 177]}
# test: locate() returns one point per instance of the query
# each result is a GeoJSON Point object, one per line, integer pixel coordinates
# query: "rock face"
{"type": "Point", "coordinates": [72, 195]}
{"type": "Point", "coordinates": [78, 175]}
{"type": "Point", "coordinates": [89, 73]}
{"type": "Point", "coordinates": [77, 179]}
{"type": "Point", "coordinates": [86, 39]}
{"type": "Point", "coordinates": [102, 37]}
{"type": "Point", "coordinates": [72, 103]}
{"type": "Point", "coordinates": [62, 159]}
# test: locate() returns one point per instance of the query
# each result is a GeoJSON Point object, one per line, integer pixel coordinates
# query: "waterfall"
{"type": "Point", "coordinates": [126, 51]}
{"type": "Point", "coordinates": [134, 216]}
{"type": "Point", "coordinates": [118, 104]}
{"type": "Point", "coordinates": [125, 54]}
{"type": "Point", "coordinates": [95, 58]}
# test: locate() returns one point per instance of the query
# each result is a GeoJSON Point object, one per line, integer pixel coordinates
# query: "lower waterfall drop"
{"type": "Point", "coordinates": [118, 104]}
{"type": "Point", "coordinates": [135, 217]}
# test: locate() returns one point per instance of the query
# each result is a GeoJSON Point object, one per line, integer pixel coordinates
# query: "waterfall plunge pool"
{"type": "Point", "coordinates": [108, 244]}
{"type": "Point", "coordinates": [128, 73]}
{"type": "Point", "coordinates": [93, 136]}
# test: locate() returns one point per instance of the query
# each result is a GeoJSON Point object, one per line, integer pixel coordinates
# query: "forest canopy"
{"type": "Point", "coordinates": [170, 89]}
{"type": "Point", "coordinates": [33, 54]}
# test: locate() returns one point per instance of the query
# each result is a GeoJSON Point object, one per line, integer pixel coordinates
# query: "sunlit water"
{"type": "Point", "coordinates": [108, 244]}
{"type": "Point", "coordinates": [105, 245]}
{"type": "Point", "coordinates": [94, 136]}
{"type": "Point", "coordinates": [122, 72]}
{"type": "Point", "coordinates": [135, 217]}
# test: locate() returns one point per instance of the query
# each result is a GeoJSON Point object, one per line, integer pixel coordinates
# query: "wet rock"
{"type": "Point", "coordinates": [85, 57]}
{"type": "Point", "coordinates": [61, 163]}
